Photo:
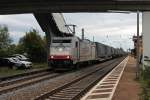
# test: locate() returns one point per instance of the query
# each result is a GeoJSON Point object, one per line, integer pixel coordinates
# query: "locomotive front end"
{"type": "Point", "coordinates": [60, 52]}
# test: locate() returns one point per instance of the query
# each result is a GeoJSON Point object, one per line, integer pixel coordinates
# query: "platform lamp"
{"type": "Point", "coordinates": [137, 48]}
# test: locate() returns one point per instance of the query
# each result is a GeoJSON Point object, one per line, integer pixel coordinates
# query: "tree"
{"type": "Point", "coordinates": [5, 41]}
{"type": "Point", "coordinates": [34, 46]}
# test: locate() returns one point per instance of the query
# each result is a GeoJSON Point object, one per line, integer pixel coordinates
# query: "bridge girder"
{"type": "Point", "coordinates": [45, 6]}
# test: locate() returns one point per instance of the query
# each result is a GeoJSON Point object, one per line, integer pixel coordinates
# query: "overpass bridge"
{"type": "Point", "coordinates": [44, 6]}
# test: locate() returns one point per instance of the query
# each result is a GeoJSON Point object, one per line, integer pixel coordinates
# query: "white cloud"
{"type": "Point", "coordinates": [105, 27]}
{"type": "Point", "coordinates": [16, 36]}
{"type": "Point", "coordinates": [101, 25]}
{"type": "Point", "coordinates": [19, 24]}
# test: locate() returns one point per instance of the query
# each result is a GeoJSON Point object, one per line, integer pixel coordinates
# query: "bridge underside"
{"type": "Point", "coordinates": [44, 6]}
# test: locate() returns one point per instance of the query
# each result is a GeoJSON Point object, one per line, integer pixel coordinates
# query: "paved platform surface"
{"type": "Point", "coordinates": [128, 88]}
{"type": "Point", "coordinates": [106, 87]}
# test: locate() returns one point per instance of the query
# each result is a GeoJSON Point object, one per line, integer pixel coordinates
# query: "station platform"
{"type": "Point", "coordinates": [119, 84]}
{"type": "Point", "coordinates": [128, 88]}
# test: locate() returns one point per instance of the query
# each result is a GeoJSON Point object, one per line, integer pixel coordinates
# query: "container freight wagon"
{"type": "Point", "coordinates": [113, 52]}
{"type": "Point", "coordinates": [109, 52]}
{"type": "Point", "coordinates": [87, 50]}
{"type": "Point", "coordinates": [101, 50]}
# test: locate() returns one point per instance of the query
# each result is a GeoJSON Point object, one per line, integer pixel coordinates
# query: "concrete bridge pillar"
{"type": "Point", "coordinates": [146, 36]}
{"type": "Point", "coordinates": [43, 20]}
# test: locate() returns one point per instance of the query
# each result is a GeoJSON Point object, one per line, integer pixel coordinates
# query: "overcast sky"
{"type": "Point", "coordinates": [114, 29]}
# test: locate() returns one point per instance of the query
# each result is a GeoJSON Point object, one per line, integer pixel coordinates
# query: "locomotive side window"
{"type": "Point", "coordinates": [61, 41]}
{"type": "Point", "coordinates": [76, 44]}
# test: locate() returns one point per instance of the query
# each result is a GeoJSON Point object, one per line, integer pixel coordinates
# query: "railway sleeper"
{"type": "Point", "coordinates": [70, 92]}
{"type": "Point", "coordinates": [60, 94]}
{"type": "Point", "coordinates": [74, 89]}
{"type": "Point", "coordinates": [58, 98]}
{"type": "Point", "coordinates": [64, 95]}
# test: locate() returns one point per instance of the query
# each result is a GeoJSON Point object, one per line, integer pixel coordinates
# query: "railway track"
{"type": "Point", "coordinates": [28, 73]}
{"type": "Point", "coordinates": [17, 83]}
{"type": "Point", "coordinates": [24, 78]}
{"type": "Point", "coordinates": [74, 89]}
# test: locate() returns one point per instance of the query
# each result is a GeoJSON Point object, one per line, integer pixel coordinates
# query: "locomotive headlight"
{"type": "Point", "coordinates": [68, 57]}
{"type": "Point", "coordinates": [52, 57]}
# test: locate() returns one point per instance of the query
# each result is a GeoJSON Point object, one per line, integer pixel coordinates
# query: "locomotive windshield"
{"type": "Point", "coordinates": [60, 47]}
{"type": "Point", "coordinates": [61, 41]}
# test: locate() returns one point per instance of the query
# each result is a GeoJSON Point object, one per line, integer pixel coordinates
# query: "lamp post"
{"type": "Point", "coordinates": [137, 48]}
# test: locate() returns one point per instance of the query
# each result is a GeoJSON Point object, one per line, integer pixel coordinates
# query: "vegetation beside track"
{"type": "Point", "coordinates": [31, 44]}
{"type": "Point", "coordinates": [6, 71]}
{"type": "Point", "coordinates": [145, 83]}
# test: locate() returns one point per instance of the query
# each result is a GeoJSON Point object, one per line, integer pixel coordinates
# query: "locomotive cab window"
{"type": "Point", "coordinates": [61, 41]}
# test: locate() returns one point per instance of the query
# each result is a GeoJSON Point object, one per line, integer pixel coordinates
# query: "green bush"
{"type": "Point", "coordinates": [145, 83]}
